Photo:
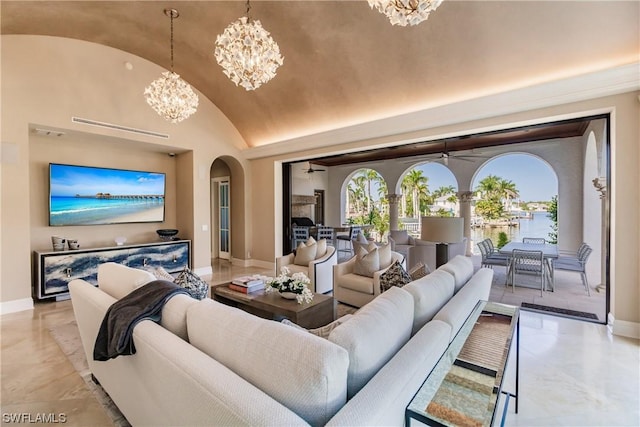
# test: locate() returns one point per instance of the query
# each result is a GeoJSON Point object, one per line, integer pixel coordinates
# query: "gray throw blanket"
{"type": "Point", "coordinates": [115, 337]}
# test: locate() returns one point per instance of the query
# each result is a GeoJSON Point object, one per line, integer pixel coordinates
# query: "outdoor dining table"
{"type": "Point", "coordinates": [549, 252]}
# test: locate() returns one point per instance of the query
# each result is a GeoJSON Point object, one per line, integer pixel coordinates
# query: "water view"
{"type": "Point", "coordinates": [538, 226]}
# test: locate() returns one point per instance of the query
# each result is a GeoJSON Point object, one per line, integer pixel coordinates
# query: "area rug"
{"type": "Point", "coordinates": [573, 314]}
{"type": "Point", "coordinates": [67, 337]}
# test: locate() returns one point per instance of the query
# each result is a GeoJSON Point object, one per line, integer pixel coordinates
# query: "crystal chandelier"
{"type": "Point", "coordinates": [169, 95]}
{"type": "Point", "coordinates": [403, 12]}
{"type": "Point", "coordinates": [247, 53]}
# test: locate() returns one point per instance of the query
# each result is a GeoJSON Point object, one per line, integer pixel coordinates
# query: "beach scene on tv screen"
{"type": "Point", "coordinates": [85, 195]}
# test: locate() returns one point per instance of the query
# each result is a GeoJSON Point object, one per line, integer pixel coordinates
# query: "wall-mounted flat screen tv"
{"type": "Point", "coordinates": [84, 195]}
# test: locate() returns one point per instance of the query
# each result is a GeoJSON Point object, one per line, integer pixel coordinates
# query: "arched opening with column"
{"type": "Point", "coordinates": [364, 201]}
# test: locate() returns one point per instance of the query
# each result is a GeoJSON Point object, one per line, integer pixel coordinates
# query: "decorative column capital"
{"type": "Point", "coordinates": [393, 199]}
{"type": "Point", "coordinates": [465, 196]}
{"type": "Point", "coordinates": [600, 184]}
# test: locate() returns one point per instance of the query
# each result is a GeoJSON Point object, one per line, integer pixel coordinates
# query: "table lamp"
{"type": "Point", "coordinates": [442, 230]}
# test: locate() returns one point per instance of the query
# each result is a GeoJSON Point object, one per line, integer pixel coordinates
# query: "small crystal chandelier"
{"type": "Point", "coordinates": [247, 53]}
{"type": "Point", "coordinates": [169, 95]}
{"type": "Point", "coordinates": [403, 12]}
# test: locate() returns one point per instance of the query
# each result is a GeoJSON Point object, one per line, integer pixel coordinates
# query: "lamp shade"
{"type": "Point", "coordinates": [442, 229]}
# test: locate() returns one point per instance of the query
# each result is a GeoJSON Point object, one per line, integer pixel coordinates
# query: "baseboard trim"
{"type": "Point", "coordinates": [253, 263]}
{"type": "Point", "coordinates": [203, 271]}
{"type": "Point", "coordinates": [16, 305]}
{"type": "Point", "coordinates": [623, 328]}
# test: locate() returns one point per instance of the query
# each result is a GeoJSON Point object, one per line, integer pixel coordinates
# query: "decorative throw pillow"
{"type": "Point", "coordinates": [322, 332]}
{"type": "Point", "coordinates": [305, 254]}
{"type": "Point", "coordinates": [395, 275]}
{"type": "Point", "coordinates": [418, 271]}
{"type": "Point", "coordinates": [197, 288]}
{"type": "Point", "coordinates": [367, 263]}
{"type": "Point", "coordinates": [162, 274]}
{"type": "Point", "coordinates": [384, 252]}
{"type": "Point", "coordinates": [322, 248]}
{"type": "Point", "coordinates": [361, 238]}
{"type": "Point", "coordinates": [310, 241]}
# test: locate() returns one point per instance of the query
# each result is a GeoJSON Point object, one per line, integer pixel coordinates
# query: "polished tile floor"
{"type": "Point", "coordinates": [572, 373]}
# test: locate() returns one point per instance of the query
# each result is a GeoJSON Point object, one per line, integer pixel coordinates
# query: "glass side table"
{"type": "Point", "coordinates": [464, 387]}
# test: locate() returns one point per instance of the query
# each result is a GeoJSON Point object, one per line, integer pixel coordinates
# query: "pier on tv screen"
{"type": "Point", "coordinates": [84, 195]}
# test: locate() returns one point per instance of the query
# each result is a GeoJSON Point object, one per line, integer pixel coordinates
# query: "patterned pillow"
{"type": "Point", "coordinates": [418, 271]}
{"type": "Point", "coordinates": [162, 274]}
{"type": "Point", "coordinates": [395, 275]}
{"type": "Point", "coordinates": [197, 288]}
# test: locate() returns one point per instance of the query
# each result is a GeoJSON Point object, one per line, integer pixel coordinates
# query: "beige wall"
{"type": "Point", "coordinates": [48, 80]}
{"type": "Point", "coordinates": [625, 269]}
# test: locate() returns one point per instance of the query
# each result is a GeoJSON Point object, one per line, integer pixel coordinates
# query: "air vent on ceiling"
{"type": "Point", "coordinates": [48, 132]}
{"type": "Point", "coordinates": [119, 127]}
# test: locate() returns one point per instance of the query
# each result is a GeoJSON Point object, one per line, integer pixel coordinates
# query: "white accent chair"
{"type": "Point", "coordinates": [319, 271]}
{"type": "Point", "coordinates": [354, 289]}
{"type": "Point", "coordinates": [400, 241]}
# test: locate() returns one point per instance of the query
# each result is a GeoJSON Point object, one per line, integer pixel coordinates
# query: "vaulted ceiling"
{"type": "Point", "coordinates": [344, 63]}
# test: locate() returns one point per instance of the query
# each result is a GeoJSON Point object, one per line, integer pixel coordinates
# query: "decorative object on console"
{"type": "Point", "coordinates": [167, 234]}
{"type": "Point", "coordinates": [197, 288]}
{"type": "Point", "coordinates": [403, 12]}
{"type": "Point", "coordinates": [120, 240]}
{"type": "Point", "coordinates": [169, 95]}
{"type": "Point", "coordinates": [247, 53]}
{"type": "Point", "coordinates": [58, 243]}
{"type": "Point", "coordinates": [73, 244]}
{"type": "Point", "coordinates": [297, 283]}
{"type": "Point", "coordinates": [442, 230]}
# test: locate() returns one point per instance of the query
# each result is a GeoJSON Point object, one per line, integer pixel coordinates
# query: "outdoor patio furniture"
{"type": "Point", "coordinates": [534, 240]}
{"type": "Point", "coordinates": [346, 239]}
{"type": "Point", "coordinates": [577, 264]}
{"type": "Point", "coordinates": [490, 257]}
{"type": "Point", "coordinates": [327, 233]}
{"type": "Point", "coordinates": [529, 263]}
{"type": "Point", "coordinates": [400, 241]}
{"type": "Point", "coordinates": [300, 234]}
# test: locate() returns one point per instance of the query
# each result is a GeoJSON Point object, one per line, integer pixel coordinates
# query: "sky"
{"type": "Point", "coordinates": [534, 179]}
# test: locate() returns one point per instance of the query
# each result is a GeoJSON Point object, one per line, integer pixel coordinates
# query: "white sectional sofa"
{"type": "Point", "coordinates": [210, 364]}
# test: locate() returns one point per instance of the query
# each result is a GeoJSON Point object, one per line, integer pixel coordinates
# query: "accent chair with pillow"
{"type": "Point", "coordinates": [400, 241]}
{"type": "Point", "coordinates": [357, 281]}
{"type": "Point", "coordinates": [316, 260]}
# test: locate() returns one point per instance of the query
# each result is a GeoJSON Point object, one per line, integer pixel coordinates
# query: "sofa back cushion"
{"type": "Point", "coordinates": [303, 372]}
{"type": "Point", "coordinates": [430, 294]}
{"type": "Point", "coordinates": [118, 280]}
{"type": "Point", "coordinates": [174, 315]}
{"type": "Point", "coordinates": [374, 334]}
{"type": "Point", "coordinates": [461, 268]}
{"type": "Point", "coordinates": [456, 311]}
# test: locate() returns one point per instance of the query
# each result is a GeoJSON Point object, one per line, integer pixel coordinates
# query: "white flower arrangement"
{"type": "Point", "coordinates": [295, 283]}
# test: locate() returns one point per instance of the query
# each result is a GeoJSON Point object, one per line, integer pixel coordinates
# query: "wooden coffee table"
{"type": "Point", "coordinates": [319, 312]}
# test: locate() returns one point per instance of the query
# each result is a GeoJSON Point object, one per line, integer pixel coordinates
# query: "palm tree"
{"type": "Point", "coordinates": [508, 191]}
{"type": "Point", "coordinates": [418, 184]}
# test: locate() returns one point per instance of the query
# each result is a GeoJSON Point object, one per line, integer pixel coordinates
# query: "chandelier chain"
{"type": "Point", "coordinates": [171, 16]}
{"type": "Point", "coordinates": [248, 11]}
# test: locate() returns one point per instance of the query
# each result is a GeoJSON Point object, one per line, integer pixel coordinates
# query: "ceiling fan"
{"type": "Point", "coordinates": [445, 156]}
{"type": "Point", "coordinates": [312, 169]}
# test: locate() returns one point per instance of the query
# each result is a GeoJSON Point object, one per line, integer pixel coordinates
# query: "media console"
{"type": "Point", "coordinates": [53, 270]}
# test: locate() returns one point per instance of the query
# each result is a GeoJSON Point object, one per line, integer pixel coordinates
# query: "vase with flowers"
{"type": "Point", "coordinates": [290, 285]}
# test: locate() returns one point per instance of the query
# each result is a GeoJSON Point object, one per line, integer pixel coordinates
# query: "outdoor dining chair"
{"type": "Point", "coordinates": [347, 247]}
{"type": "Point", "coordinates": [327, 233]}
{"type": "Point", "coordinates": [576, 263]}
{"type": "Point", "coordinates": [529, 263]}
{"type": "Point", "coordinates": [489, 255]}
{"type": "Point", "coordinates": [534, 240]}
{"type": "Point", "coordinates": [300, 234]}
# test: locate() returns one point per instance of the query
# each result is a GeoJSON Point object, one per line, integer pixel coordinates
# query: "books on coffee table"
{"type": "Point", "coordinates": [247, 284]}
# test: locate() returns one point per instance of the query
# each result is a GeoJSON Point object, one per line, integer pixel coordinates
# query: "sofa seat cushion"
{"type": "Point", "coordinates": [293, 268]}
{"type": "Point", "coordinates": [356, 282]}
{"type": "Point", "coordinates": [374, 334]}
{"type": "Point", "coordinates": [461, 268]}
{"type": "Point", "coordinates": [456, 311]}
{"type": "Point", "coordinates": [303, 372]}
{"type": "Point", "coordinates": [430, 294]}
{"type": "Point", "coordinates": [119, 280]}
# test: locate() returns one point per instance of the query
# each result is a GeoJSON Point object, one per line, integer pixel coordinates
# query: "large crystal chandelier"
{"type": "Point", "coordinates": [403, 12]}
{"type": "Point", "coordinates": [169, 95]}
{"type": "Point", "coordinates": [247, 53]}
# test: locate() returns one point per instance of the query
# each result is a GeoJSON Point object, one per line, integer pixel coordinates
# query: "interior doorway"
{"type": "Point", "coordinates": [319, 206]}
{"type": "Point", "coordinates": [224, 218]}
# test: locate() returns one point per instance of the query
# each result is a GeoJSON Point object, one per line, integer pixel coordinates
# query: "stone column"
{"type": "Point", "coordinates": [393, 200]}
{"type": "Point", "coordinates": [601, 186]}
{"type": "Point", "coordinates": [465, 198]}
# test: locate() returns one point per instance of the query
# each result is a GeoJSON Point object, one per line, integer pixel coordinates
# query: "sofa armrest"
{"type": "Point", "coordinates": [322, 270]}
{"type": "Point", "coordinates": [283, 261]}
{"type": "Point", "coordinates": [412, 240]}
